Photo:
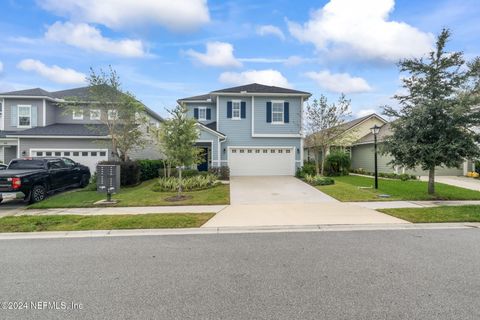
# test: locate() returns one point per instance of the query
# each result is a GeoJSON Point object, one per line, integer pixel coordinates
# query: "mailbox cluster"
{"type": "Point", "coordinates": [108, 179]}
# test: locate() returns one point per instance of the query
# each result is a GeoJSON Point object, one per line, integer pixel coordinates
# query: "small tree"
{"type": "Point", "coordinates": [323, 124]}
{"type": "Point", "coordinates": [178, 135]}
{"type": "Point", "coordinates": [122, 115]}
{"type": "Point", "coordinates": [438, 112]}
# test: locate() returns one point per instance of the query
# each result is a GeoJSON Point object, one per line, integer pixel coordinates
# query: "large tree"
{"type": "Point", "coordinates": [323, 125]}
{"type": "Point", "coordinates": [177, 136]}
{"type": "Point", "coordinates": [436, 119]}
{"type": "Point", "coordinates": [122, 115]}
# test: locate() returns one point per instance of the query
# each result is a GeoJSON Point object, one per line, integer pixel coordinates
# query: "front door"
{"type": "Point", "coordinates": [203, 166]}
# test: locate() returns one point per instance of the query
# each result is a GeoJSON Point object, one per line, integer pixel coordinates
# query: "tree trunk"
{"type": "Point", "coordinates": [323, 161]}
{"type": "Point", "coordinates": [431, 181]}
{"type": "Point", "coordinates": [317, 169]}
{"type": "Point", "coordinates": [179, 181]}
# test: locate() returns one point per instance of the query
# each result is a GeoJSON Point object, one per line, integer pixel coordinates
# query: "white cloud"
{"type": "Point", "coordinates": [53, 73]}
{"type": "Point", "coordinates": [339, 82]}
{"type": "Point", "coordinates": [365, 112]}
{"type": "Point", "coordinates": [218, 54]}
{"type": "Point", "coordinates": [267, 77]}
{"type": "Point", "coordinates": [362, 28]}
{"type": "Point", "coordinates": [178, 15]}
{"type": "Point", "coordinates": [270, 30]}
{"type": "Point", "coordinates": [86, 37]}
{"type": "Point", "coordinates": [1, 67]}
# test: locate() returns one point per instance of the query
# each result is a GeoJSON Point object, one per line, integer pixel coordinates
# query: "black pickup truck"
{"type": "Point", "coordinates": [36, 177]}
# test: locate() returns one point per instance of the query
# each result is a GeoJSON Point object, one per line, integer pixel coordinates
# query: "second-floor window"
{"type": "Point", "coordinates": [24, 116]}
{"type": "Point", "coordinates": [94, 114]}
{"type": "Point", "coordinates": [202, 113]}
{"type": "Point", "coordinates": [235, 109]}
{"type": "Point", "coordinates": [277, 112]}
{"type": "Point", "coordinates": [77, 115]}
{"type": "Point", "coordinates": [112, 115]}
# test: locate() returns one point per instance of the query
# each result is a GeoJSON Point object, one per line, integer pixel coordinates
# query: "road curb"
{"type": "Point", "coordinates": [233, 230]}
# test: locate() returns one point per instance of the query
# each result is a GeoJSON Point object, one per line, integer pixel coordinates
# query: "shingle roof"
{"type": "Point", "coordinates": [35, 92]}
{"type": "Point", "coordinates": [249, 88]}
{"type": "Point", "coordinates": [212, 126]}
{"type": "Point", "coordinates": [3, 134]}
{"type": "Point", "coordinates": [60, 129]}
{"type": "Point", "coordinates": [80, 93]}
{"type": "Point", "coordinates": [259, 88]}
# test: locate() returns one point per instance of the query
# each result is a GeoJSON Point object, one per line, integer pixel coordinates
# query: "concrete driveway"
{"type": "Point", "coordinates": [274, 190]}
{"type": "Point", "coordinates": [281, 201]}
{"type": "Point", "coordinates": [462, 182]}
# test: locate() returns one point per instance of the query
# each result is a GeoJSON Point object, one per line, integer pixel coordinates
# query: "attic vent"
{"type": "Point", "coordinates": [244, 91]}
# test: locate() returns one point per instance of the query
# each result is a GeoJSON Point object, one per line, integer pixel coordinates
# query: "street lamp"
{"type": "Point", "coordinates": [375, 130]}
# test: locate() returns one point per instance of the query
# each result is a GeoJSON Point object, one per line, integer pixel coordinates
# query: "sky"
{"type": "Point", "coordinates": [164, 50]}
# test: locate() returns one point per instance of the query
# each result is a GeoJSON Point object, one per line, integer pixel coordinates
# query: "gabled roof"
{"type": "Point", "coordinates": [212, 128]}
{"type": "Point", "coordinates": [35, 92]}
{"type": "Point", "coordinates": [384, 132]}
{"type": "Point", "coordinates": [59, 129]}
{"type": "Point", "coordinates": [254, 88]}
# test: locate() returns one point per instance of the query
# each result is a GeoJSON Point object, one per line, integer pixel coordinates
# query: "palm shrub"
{"type": "Point", "coordinates": [337, 163]}
{"type": "Point", "coordinates": [193, 183]}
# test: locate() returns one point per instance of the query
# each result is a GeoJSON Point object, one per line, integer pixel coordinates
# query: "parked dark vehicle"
{"type": "Point", "coordinates": [37, 177]}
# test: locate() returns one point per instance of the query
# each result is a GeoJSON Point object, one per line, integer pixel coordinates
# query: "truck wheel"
{"type": "Point", "coordinates": [38, 193]}
{"type": "Point", "coordinates": [84, 181]}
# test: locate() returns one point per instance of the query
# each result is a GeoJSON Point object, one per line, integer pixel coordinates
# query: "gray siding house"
{"type": "Point", "coordinates": [254, 129]}
{"type": "Point", "coordinates": [33, 124]}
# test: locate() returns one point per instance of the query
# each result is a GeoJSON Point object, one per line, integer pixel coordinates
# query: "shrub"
{"type": "Point", "coordinates": [223, 172]}
{"type": "Point", "coordinates": [337, 163]}
{"type": "Point", "coordinates": [307, 168]}
{"type": "Point", "coordinates": [129, 172]}
{"type": "Point", "coordinates": [315, 180]}
{"type": "Point", "coordinates": [198, 182]}
{"type": "Point", "coordinates": [149, 169]}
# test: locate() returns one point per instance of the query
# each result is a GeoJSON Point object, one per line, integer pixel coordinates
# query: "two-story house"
{"type": "Point", "coordinates": [254, 129]}
{"type": "Point", "coordinates": [32, 123]}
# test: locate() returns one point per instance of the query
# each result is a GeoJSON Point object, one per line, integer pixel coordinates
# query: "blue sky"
{"type": "Point", "coordinates": [164, 50]}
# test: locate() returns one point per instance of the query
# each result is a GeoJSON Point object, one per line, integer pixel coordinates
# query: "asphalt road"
{"type": "Point", "coordinates": [407, 274]}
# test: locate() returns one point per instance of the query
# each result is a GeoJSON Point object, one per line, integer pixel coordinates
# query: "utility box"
{"type": "Point", "coordinates": [108, 179]}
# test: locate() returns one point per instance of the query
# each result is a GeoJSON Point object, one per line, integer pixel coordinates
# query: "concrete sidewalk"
{"type": "Point", "coordinates": [117, 210]}
{"type": "Point", "coordinates": [413, 204]}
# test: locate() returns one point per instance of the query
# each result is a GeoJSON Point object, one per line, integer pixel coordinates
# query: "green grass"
{"type": "Point", "coordinates": [141, 195]}
{"type": "Point", "coordinates": [346, 188]}
{"type": "Point", "coordinates": [469, 213]}
{"type": "Point", "coordinates": [104, 222]}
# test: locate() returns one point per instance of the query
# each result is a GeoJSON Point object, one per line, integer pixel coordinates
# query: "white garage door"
{"type": "Point", "coordinates": [265, 161]}
{"type": "Point", "coordinates": [87, 157]}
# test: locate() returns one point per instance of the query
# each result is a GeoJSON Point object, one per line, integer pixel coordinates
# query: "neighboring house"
{"type": "Point", "coordinates": [348, 133]}
{"type": "Point", "coordinates": [254, 129]}
{"type": "Point", "coordinates": [362, 155]}
{"type": "Point", "coordinates": [32, 123]}
{"type": "Point", "coordinates": [355, 137]}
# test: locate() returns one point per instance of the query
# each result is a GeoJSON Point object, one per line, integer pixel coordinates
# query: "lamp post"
{"type": "Point", "coordinates": [375, 130]}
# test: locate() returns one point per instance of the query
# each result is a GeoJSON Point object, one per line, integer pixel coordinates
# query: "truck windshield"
{"type": "Point", "coordinates": [26, 164]}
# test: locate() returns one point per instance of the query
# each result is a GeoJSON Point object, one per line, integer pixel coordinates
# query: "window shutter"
{"type": "Point", "coordinates": [286, 113]}
{"type": "Point", "coordinates": [34, 120]}
{"type": "Point", "coordinates": [269, 111]}
{"type": "Point", "coordinates": [195, 113]}
{"type": "Point", "coordinates": [209, 114]}
{"type": "Point", "coordinates": [14, 117]}
{"type": "Point", "coordinates": [229, 109]}
{"type": "Point", "coordinates": [243, 110]}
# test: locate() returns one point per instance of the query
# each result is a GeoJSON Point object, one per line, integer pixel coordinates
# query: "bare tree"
{"type": "Point", "coordinates": [323, 125]}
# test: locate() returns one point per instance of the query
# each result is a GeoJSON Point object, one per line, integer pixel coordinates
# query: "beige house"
{"type": "Point", "coordinates": [358, 141]}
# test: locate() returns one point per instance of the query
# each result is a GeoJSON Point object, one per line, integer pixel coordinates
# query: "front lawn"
{"type": "Point", "coordinates": [437, 214]}
{"type": "Point", "coordinates": [348, 188]}
{"type": "Point", "coordinates": [138, 196]}
{"type": "Point", "coordinates": [105, 222]}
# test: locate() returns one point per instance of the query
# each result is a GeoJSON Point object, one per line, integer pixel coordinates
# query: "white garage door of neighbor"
{"type": "Point", "coordinates": [265, 161]}
{"type": "Point", "coordinates": [87, 157]}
